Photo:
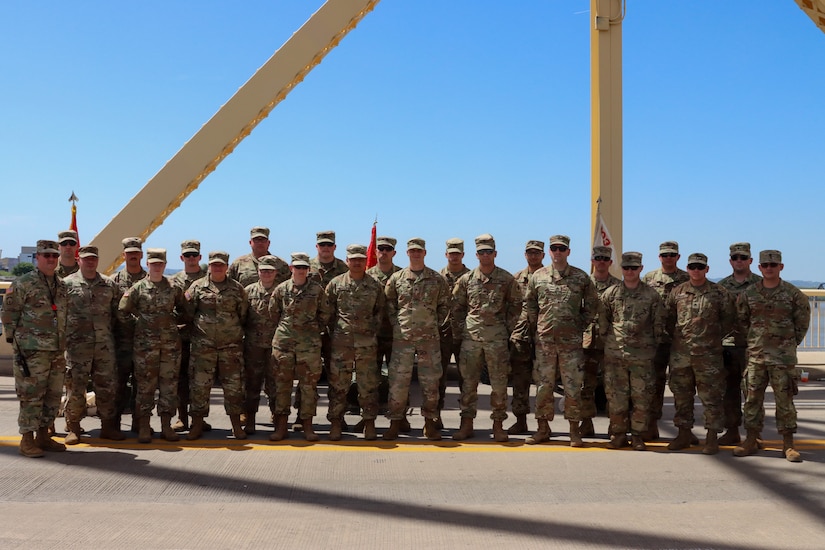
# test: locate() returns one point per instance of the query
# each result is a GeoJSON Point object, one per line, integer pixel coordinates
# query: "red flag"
{"type": "Point", "coordinates": [372, 251]}
{"type": "Point", "coordinates": [73, 226]}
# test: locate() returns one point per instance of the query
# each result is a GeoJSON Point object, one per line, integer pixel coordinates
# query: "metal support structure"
{"type": "Point", "coordinates": [815, 9]}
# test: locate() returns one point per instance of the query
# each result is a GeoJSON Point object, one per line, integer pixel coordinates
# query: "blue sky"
{"type": "Point", "coordinates": [443, 118]}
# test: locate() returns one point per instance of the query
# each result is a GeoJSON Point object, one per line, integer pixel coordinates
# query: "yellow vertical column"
{"type": "Point", "coordinates": [606, 116]}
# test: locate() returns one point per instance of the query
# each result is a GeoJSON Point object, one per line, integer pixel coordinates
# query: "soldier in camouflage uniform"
{"type": "Point", "coordinates": [300, 311]}
{"type": "Point", "coordinates": [125, 329]}
{"type": "Point", "coordinates": [451, 338]}
{"type": "Point", "coordinates": [158, 306]}
{"type": "Point", "coordinates": [218, 308]}
{"type": "Point", "coordinates": [245, 268]}
{"type": "Point", "coordinates": [736, 343]}
{"type": "Point", "coordinates": [486, 306]}
{"type": "Point", "coordinates": [67, 244]}
{"type": "Point", "coordinates": [560, 302]}
{"type": "Point", "coordinates": [190, 255]}
{"type": "Point", "coordinates": [631, 323]}
{"type": "Point", "coordinates": [34, 322]}
{"type": "Point", "coordinates": [90, 346]}
{"type": "Point", "coordinates": [663, 280]}
{"type": "Point", "coordinates": [601, 259]}
{"type": "Point", "coordinates": [258, 371]}
{"type": "Point", "coordinates": [356, 301]}
{"type": "Point", "coordinates": [521, 361]}
{"type": "Point", "coordinates": [699, 313]}
{"type": "Point", "coordinates": [418, 306]}
{"type": "Point", "coordinates": [775, 315]}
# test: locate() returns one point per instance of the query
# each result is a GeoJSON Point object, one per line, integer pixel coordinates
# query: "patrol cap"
{"type": "Point", "coordinates": [769, 256]}
{"type": "Point", "coordinates": [697, 258]}
{"type": "Point", "coordinates": [453, 245]}
{"type": "Point", "coordinates": [300, 258]}
{"type": "Point", "coordinates": [485, 242]}
{"type": "Point", "coordinates": [386, 241]}
{"type": "Point", "coordinates": [87, 252]}
{"type": "Point", "coordinates": [67, 235]}
{"type": "Point", "coordinates": [325, 237]}
{"type": "Point", "coordinates": [419, 243]}
{"type": "Point", "coordinates": [132, 244]}
{"type": "Point", "coordinates": [356, 251]}
{"type": "Point", "coordinates": [632, 259]}
{"type": "Point", "coordinates": [560, 239]}
{"type": "Point", "coordinates": [669, 247]}
{"type": "Point", "coordinates": [190, 246]}
{"type": "Point", "coordinates": [155, 255]}
{"type": "Point", "coordinates": [602, 251]}
{"type": "Point", "coordinates": [218, 257]}
{"type": "Point", "coordinates": [259, 231]}
{"type": "Point", "coordinates": [46, 246]}
{"type": "Point", "coordinates": [268, 262]}
{"type": "Point", "coordinates": [534, 245]}
{"type": "Point", "coordinates": [741, 248]}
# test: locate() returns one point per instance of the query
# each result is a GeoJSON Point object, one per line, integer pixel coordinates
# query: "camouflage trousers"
{"type": "Point", "coordinates": [660, 362]}
{"type": "Point", "coordinates": [784, 380]}
{"type": "Point", "coordinates": [204, 362]}
{"type": "Point", "coordinates": [626, 379]}
{"type": "Point", "coordinates": [593, 361]}
{"type": "Point", "coordinates": [157, 368]}
{"type": "Point", "coordinates": [400, 374]}
{"type": "Point", "coordinates": [258, 374]}
{"type": "Point", "coordinates": [40, 392]}
{"type": "Point", "coordinates": [449, 348]}
{"type": "Point", "coordinates": [702, 374]}
{"type": "Point", "coordinates": [473, 357]}
{"type": "Point", "coordinates": [97, 362]}
{"type": "Point", "coordinates": [521, 376]}
{"type": "Point", "coordinates": [304, 363]}
{"type": "Point", "coordinates": [126, 387]}
{"type": "Point", "coordinates": [183, 375]}
{"type": "Point", "coordinates": [345, 360]}
{"type": "Point", "coordinates": [735, 362]}
{"type": "Point", "coordinates": [552, 359]}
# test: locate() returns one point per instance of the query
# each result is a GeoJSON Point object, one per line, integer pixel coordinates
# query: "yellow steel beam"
{"type": "Point", "coordinates": [229, 126]}
{"type": "Point", "coordinates": [815, 10]}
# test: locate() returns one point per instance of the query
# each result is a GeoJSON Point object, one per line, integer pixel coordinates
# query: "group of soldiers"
{"type": "Point", "coordinates": [261, 324]}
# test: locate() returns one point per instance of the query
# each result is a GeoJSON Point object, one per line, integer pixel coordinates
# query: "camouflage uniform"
{"type": "Point", "coordinates": [357, 312]}
{"type": "Point", "coordinates": [384, 349]}
{"type": "Point", "coordinates": [697, 320]}
{"type": "Point", "coordinates": [418, 307]}
{"type": "Point", "coordinates": [632, 323]}
{"type": "Point", "coordinates": [300, 314]}
{"type": "Point", "coordinates": [593, 345]}
{"type": "Point", "coordinates": [521, 362]}
{"type": "Point", "coordinates": [184, 280]}
{"type": "Point", "coordinates": [775, 321]}
{"type": "Point", "coordinates": [323, 274]}
{"type": "Point", "coordinates": [90, 344]}
{"type": "Point", "coordinates": [64, 271]}
{"type": "Point", "coordinates": [258, 372]}
{"type": "Point", "coordinates": [245, 270]}
{"type": "Point", "coordinates": [451, 338]}
{"type": "Point", "coordinates": [34, 319]}
{"type": "Point", "coordinates": [125, 344]}
{"type": "Point", "coordinates": [157, 308]}
{"type": "Point", "coordinates": [218, 312]}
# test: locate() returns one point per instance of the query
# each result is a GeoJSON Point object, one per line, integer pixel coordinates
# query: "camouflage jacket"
{"type": "Point", "coordinates": [631, 321]}
{"type": "Point", "coordinates": [664, 283]}
{"type": "Point", "coordinates": [385, 332]}
{"type": "Point", "coordinates": [418, 306]}
{"type": "Point", "coordinates": [157, 309]}
{"type": "Point", "coordinates": [92, 310]}
{"type": "Point", "coordinates": [452, 278]}
{"type": "Point", "coordinates": [125, 324]}
{"type": "Point", "coordinates": [357, 310]}
{"type": "Point", "coordinates": [739, 337]}
{"type": "Point", "coordinates": [775, 321]}
{"type": "Point", "coordinates": [299, 313]}
{"type": "Point", "coordinates": [34, 312]}
{"type": "Point", "coordinates": [323, 274]}
{"type": "Point", "coordinates": [486, 307]}
{"type": "Point", "coordinates": [63, 271]}
{"type": "Point", "coordinates": [218, 312]}
{"type": "Point", "coordinates": [697, 318]}
{"type": "Point", "coordinates": [259, 328]}
{"type": "Point", "coordinates": [184, 280]}
{"type": "Point", "coordinates": [592, 338]}
{"type": "Point", "coordinates": [245, 270]}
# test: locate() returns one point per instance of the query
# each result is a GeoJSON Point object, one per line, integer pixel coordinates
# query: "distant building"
{"type": "Point", "coordinates": [26, 254]}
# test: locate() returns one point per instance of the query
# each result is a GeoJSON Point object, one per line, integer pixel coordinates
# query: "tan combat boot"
{"type": "Point", "coordinates": [392, 433]}
{"type": "Point", "coordinates": [298, 425]}
{"type": "Point", "coordinates": [575, 435]}
{"type": "Point", "coordinates": [166, 431]}
{"type": "Point", "coordinates": [652, 433]}
{"type": "Point", "coordinates": [237, 426]}
{"type": "Point", "coordinates": [28, 447]}
{"type": "Point", "coordinates": [748, 447]}
{"type": "Point", "coordinates": [309, 433]}
{"type": "Point", "coordinates": [110, 429]}
{"type": "Point", "coordinates": [586, 428]}
{"type": "Point", "coordinates": [249, 425]}
{"type": "Point", "coordinates": [73, 431]}
{"type": "Point", "coordinates": [542, 435]}
{"type": "Point", "coordinates": [196, 429]}
{"type": "Point", "coordinates": [46, 443]}
{"type": "Point", "coordinates": [681, 441]}
{"type": "Point", "coordinates": [465, 431]}
{"type": "Point", "coordinates": [499, 433]}
{"type": "Point", "coordinates": [405, 427]}
{"type": "Point", "coordinates": [183, 420]}
{"type": "Point", "coordinates": [637, 443]}
{"type": "Point", "coordinates": [519, 427]}
{"type": "Point", "coordinates": [144, 429]}
{"type": "Point", "coordinates": [369, 430]}
{"type": "Point", "coordinates": [730, 437]}
{"type": "Point", "coordinates": [791, 454]}
{"type": "Point", "coordinates": [711, 443]}
{"type": "Point", "coordinates": [430, 431]}
{"type": "Point", "coordinates": [617, 441]}
{"type": "Point", "coordinates": [335, 429]}
{"type": "Point", "coordinates": [281, 429]}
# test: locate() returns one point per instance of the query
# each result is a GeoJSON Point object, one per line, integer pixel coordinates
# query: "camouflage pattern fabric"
{"type": "Point", "coordinates": [245, 270]}
{"type": "Point", "coordinates": [125, 344]}
{"type": "Point", "coordinates": [259, 331]}
{"type": "Point", "coordinates": [521, 361]}
{"type": "Point", "coordinates": [64, 271]}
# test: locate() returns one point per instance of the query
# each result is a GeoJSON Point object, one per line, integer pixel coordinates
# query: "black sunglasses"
{"type": "Point", "coordinates": [668, 255]}
{"type": "Point", "coordinates": [631, 267]}
{"type": "Point", "coordinates": [558, 248]}
{"type": "Point", "coordinates": [694, 267]}
{"type": "Point", "coordinates": [190, 254]}
{"type": "Point", "coordinates": [739, 257]}
{"type": "Point", "coordinates": [602, 259]}
{"type": "Point", "coordinates": [769, 264]}
{"type": "Point", "coordinates": [68, 243]}
{"type": "Point", "coordinates": [384, 248]}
